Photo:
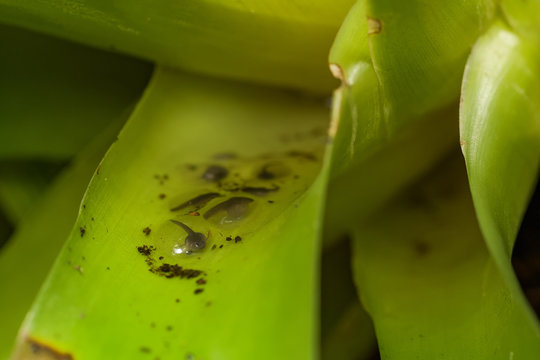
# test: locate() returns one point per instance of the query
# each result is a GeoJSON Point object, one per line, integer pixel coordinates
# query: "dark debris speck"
{"type": "Point", "coordinates": [145, 250]}
{"type": "Point", "coordinates": [198, 291]}
{"type": "Point", "coordinates": [237, 239]}
{"type": "Point", "coordinates": [82, 230]}
{"type": "Point", "coordinates": [201, 281]}
{"type": "Point", "coordinates": [171, 271]}
{"type": "Point", "coordinates": [147, 231]}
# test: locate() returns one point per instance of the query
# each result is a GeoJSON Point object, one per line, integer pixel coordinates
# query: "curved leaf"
{"type": "Point", "coordinates": [275, 42]}
{"type": "Point", "coordinates": [56, 96]}
{"type": "Point", "coordinates": [429, 283]}
{"type": "Point", "coordinates": [374, 155]}
{"type": "Point", "coordinates": [500, 137]}
{"type": "Point", "coordinates": [40, 234]}
{"type": "Point", "coordinates": [419, 50]}
{"type": "Point", "coordinates": [253, 295]}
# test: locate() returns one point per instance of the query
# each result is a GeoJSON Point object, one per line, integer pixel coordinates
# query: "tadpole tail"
{"type": "Point", "coordinates": [183, 226]}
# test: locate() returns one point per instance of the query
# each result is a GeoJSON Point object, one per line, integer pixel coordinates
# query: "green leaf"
{"type": "Point", "coordinates": [260, 296]}
{"type": "Point", "coordinates": [31, 251]}
{"type": "Point", "coordinates": [500, 138]}
{"type": "Point", "coordinates": [374, 156]}
{"type": "Point", "coordinates": [274, 42]}
{"type": "Point", "coordinates": [419, 49]}
{"type": "Point", "coordinates": [429, 283]}
{"type": "Point", "coordinates": [56, 96]}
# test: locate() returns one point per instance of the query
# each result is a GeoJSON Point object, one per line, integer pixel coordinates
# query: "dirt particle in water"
{"type": "Point", "coordinates": [237, 239]}
{"type": "Point", "coordinates": [146, 231]}
{"type": "Point", "coordinates": [145, 250]}
{"type": "Point", "coordinates": [201, 281]}
{"type": "Point", "coordinates": [82, 231]}
{"type": "Point", "coordinates": [198, 291]}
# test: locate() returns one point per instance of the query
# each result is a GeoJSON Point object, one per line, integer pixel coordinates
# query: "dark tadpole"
{"type": "Point", "coordinates": [259, 191]}
{"type": "Point", "coordinates": [194, 240]}
{"type": "Point", "coordinates": [273, 170]}
{"type": "Point", "coordinates": [215, 173]}
{"type": "Point", "coordinates": [235, 207]}
{"type": "Point", "coordinates": [197, 202]}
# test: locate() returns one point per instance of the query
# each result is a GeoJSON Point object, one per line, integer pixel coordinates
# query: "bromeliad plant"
{"type": "Point", "coordinates": [216, 222]}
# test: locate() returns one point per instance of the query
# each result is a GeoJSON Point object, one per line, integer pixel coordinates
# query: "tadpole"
{"type": "Point", "coordinates": [235, 207]}
{"type": "Point", "coordinates": [198, 201]}
{"type": "Point", "coordinates": [194, 240]}
{"type": "Point", "coordinates": [215, 173]}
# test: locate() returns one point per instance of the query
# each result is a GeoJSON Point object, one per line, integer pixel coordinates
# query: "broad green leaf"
{"type": "Point", "coordinates": [429, 283]}
{"type": "Point", "coordinates": [419, 49]}
{"type": "Point", "coordinates": [256, 295]}
{"type": "Point", "coordinates": [31, 251]}
{"type": "Point", "coordinates": [278, 42]}
{"type": "Point", "coordinates": [56, 96]}
{"type": "Point", "coordinates": [500, 137]}
{"type": "Point", "coordinates": [22, 183]}
{"type": "Point", "coordinates": [374, 156]}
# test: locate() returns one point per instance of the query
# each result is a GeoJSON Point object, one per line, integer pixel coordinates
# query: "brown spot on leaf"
{"type": "Point", "coordinates": [33, 349]}
{"type": "Point", "coordinates": [374, 26]}
{"type": "Point", "coordinates": [337, 71]}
